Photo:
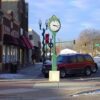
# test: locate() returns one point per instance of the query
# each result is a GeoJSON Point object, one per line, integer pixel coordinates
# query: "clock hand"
{"type": "Point", "coordinates": [56, 25]}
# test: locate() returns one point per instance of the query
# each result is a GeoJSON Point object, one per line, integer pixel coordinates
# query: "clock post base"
{"type": "Point", "coordinates": [54, 76]}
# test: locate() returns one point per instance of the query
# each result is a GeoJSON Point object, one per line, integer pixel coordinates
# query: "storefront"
{"type": "Point", "coordinates": [10, 51]}
{"type": "Point", "coordinates": [25, 50]}
{"type": "Point", "coordinates": [14, 49]}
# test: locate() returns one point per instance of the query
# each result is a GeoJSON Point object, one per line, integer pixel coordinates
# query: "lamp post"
{"type": "Point", "coordinates": [43, 41]}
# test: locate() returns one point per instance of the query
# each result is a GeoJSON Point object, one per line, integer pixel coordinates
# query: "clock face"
{"type": "Point", "coordinates": [55, 26]}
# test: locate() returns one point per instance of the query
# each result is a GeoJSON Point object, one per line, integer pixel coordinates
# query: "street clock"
{"type": "Point", "coordinates": [54, 24]}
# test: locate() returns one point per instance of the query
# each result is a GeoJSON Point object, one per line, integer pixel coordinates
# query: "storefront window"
{"type": "Point", "coordinates": [14, 54]}
{"type": "Point", "coordinates": [10, 54]}
{"type": "Point", "coordinates": [4, 54]}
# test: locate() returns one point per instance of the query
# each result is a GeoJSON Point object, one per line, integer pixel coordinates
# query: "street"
{"type": "Point", "coordinates": [29, 84]}
{"type": "Point", "coordinates": [44, 90]}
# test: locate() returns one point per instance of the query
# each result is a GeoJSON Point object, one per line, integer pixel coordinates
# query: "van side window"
{"type": "Point", "coordinates": [62, 59]}
{"type": "Point", "coordinates": [88, 58]}
{"type": "Point", "coordinates": [80, 58]}
{"type": "Point", "coordinates": [73, 59]}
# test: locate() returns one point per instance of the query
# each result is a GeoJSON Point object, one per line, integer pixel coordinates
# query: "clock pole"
{"type": "Point", "coordinates": [54, 65]}
{"type": "Point", "coordinates": [54, 26]}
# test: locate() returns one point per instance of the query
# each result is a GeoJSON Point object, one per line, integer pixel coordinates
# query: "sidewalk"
{"type": "Point", "coordinates": [29, 72]}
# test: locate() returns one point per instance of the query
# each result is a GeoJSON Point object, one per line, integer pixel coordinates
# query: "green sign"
{"type": "Point", "coordinates": [97, 44]}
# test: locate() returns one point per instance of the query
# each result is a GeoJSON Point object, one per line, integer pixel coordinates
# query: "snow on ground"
{"type": "Point", "coordinates": [11, 76]}
{"type": "Point", "coordinates": [88, 93]}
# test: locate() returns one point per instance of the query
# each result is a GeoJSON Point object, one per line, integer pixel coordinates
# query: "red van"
{"type": "Point", "coordinates": [72, 64]}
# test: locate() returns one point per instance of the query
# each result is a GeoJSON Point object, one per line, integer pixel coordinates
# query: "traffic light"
{"type": "Point", "coordinates": [46, 38]}
{"type": "Point", "coordinates": [74, 41]}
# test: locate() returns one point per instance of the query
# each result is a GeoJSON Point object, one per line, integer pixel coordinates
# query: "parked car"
{"type": "Point", "coordinates": [97, 60]}
{"type": "Point", "coordinates": [72, 64]}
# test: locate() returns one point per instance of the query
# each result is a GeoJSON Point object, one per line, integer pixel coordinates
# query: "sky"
{"type": "Point", "coordinates": [74, 15]}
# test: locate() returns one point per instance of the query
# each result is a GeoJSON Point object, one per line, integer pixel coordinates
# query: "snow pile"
{"type": "Point", "coordinates": [67, 51]}
{"type": "Point", "coordinates": [93, 92]}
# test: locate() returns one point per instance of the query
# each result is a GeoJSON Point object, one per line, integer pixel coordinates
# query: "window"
{"type": "Point", "coordinates": [88, 58]}
{"type": "Point", "coordinates": [4, 54]}
{"type": "Point", "coordinates": [73, 59]}
{"type": "Point", "coordinates": [21, 31]}
{"type": "Point", "coordinates": [30, 37]}
{"type": "Point", "coordinates": [80, 58]}
{"type": "Point", "coordinates": [62, 59]}
{"type": "Point", "coordinates": [11, 25]}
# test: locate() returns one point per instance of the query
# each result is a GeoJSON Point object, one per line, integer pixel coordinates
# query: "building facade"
{"type": "Point", "coordinates": [20, 10]}
{"type": "Point", "coordinates": [14, 41]}
{"type": "Point", "coordinates": [36, 42]}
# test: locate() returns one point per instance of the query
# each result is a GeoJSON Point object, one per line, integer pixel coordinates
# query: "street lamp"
{"type": "Point", "coordinates": [43, 35]}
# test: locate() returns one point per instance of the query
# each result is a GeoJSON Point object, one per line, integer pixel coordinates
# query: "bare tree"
{"type": "Point", "coordinates": [87, 40]}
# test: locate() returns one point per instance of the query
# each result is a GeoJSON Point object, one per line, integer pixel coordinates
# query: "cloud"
{"type": "Point", "coordinates": [81, 4]}
{"type": "Point", "coordinates": [95, 15]}
{"type": "Point", "coordinates": [70, 18]}
{"type": "Point", "coordinates": [44, 8]}
{"type": "Point", "coordinates": [87, 25]}
{"type": "Point", "coordinates": [45, 4]}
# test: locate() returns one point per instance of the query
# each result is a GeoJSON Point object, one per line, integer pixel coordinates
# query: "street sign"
{"type": "Point", "coordinates": [97, 44]}
{"type": "Point", "coordinates": [50, 45]}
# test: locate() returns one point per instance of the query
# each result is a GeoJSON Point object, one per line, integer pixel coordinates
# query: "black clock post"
{"type": "Point", "coordinates": [43, 41]}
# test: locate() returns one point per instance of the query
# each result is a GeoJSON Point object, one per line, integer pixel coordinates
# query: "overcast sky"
{"type": "Point", "coordinates": [75, 16]}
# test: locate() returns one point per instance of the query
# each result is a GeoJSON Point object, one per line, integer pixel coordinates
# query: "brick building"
{"type": "Point", "coordinates": [14, 41]}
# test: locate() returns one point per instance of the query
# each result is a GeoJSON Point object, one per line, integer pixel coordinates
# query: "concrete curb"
{"type": "Point", "coordinates": [47, 80]}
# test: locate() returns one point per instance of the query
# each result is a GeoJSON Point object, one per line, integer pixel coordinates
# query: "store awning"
{"type": "Point", "coordinates": [8, 39]}
{"type": "Point", "coordinates": [21, 43]}
{"type": "Point", "coordinates": [27, 42]}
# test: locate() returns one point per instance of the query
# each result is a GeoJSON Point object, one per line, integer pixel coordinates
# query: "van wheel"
{"type": "Point", "coordinates": [87, 71]}
{"type": "Point", "coordinates": [62, 73]}
{"type": "Point", "coordinates": [94, 69]}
